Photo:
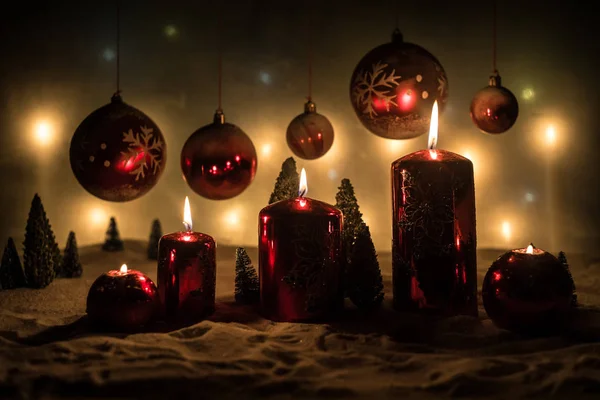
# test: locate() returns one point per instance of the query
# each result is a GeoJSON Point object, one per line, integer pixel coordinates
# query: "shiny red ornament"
{"type": "Point", "coordinates": [218, 161]}
{"type": "Point", "coordinates": [300, 260]}
{"type": "Point", "coordinates": [528, 291]}
{"type": "Point", "coordinates": [118, 153]}
{"type": "Point", "coordinates": [310, 134]}
{"type": "Point", "coordinates": [122, 301]}
{"type": "Point", "coordinates": [393, 89]}
{"type": "Point", "coordinates": [187, 273]}
{"type": "Point", "coordinates": [494, 109]}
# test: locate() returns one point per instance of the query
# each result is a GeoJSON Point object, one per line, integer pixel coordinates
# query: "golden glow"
{"type": "Point", "coordinates": [433, 127]}
{"type": "Point", "coordinates": [266, 149]}
{"type": "Point", "coordinates": [506, 230]}
{"type": "Point", "coordinates": [43, 133]}
{"type": "Point", "coordinates": [528, 94]}
{"type": "Point", "coordinates": [123, 269]}
{"type": "Point", "coordinates": [529, 249]}
{"type": "Point", "coordinates": [232, 218]}
{"type": "Point", "coordinates": [97, 216]}
{"type": "Point", "coordinates": [303, 189]}
{"type": "Point", "coordinates": [187, 215]}
{"type": "Point", "coordinates": [550, 135]}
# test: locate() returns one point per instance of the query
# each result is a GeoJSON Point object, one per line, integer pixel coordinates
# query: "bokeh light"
{"type": "Point", "coordinates": [550, 135]}
{"type": "Point", "coordinates": [265, 77]}
{"type": "Point", "coordinates": [97, 217]}
{"type": "Point", "coordinates": [171, 31]}
{"type": "Point", "coordinates": [528, 94]}
{"type": "Point", "coordinates": [43, 133]}
{"type": "Point", "coordinates": [506, 230]}
{"type": "Point", "coordinates": [266, 149]}
{"type": "Point", "coordinates": [109, 54]}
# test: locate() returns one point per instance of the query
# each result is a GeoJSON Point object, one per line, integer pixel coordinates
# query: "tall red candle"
{"type": "Point", "coordinates": [300, 259]}
{"type": "Point", "coordinates": [434, 238]}
{"type": "Point", "coordinates": [187, 273]}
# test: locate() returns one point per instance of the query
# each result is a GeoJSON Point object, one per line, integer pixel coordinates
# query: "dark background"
{"type": "Point", "coordinates": [55, 68]}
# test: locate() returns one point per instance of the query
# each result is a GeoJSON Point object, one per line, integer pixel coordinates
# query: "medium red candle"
{"type": "Point", "coordinates": [124, 300]}
{"type": "Point", "coordinates": [300, 259]}
{"type": "Point", "coordinates": [187, 273]}
{"type": "Point", "coordinates": [434, 238]}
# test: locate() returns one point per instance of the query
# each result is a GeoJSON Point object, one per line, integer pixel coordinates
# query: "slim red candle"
{"type": "Point", "coordinates": [187, 273]}
{"type": "Point", "coordinates": [434, 237]}
{"type": "Point", "coordinates": [300, 259]}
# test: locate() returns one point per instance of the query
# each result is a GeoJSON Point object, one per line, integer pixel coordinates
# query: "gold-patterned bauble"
{"type": "Point", "coordinates": [118, 153]}
{"type": "Point", "coordinates": [394, 86]}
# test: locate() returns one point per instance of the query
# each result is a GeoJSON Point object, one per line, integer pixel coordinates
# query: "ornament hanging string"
{"type": "Point", "coordinates": [397, 9]}
{"type": "Point", "coordinates": [310, 53]}
{"type": "Point", "coordinates": [219, 61]}
{"type": "Point", "coordinates": [118, 60]}
{"type": "Point", "coordinates": [494, 36]}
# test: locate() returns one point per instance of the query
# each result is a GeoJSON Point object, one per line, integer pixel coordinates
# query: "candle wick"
{"type": "Point", "coordinates": [302, 192]}
{"type": "Point", "coordinates": [432, 144]}
{"type": "Point", "coordinates": [188, 227]}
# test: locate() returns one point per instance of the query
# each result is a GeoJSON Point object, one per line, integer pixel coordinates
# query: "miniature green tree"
{"type": "Point", "coordinates": [155, 235]}
{"type": "Point", "coordinates": [246, 279]}
{"type": "Point", "coordinates": [562, 257]}
{"type": "Point", "coordinates": [286, 185]}
{"type": "Point", "coordinates": [113, 240]}
{"type": "Point", "coordinates": [71, 267]}
{"type": "Point", "coordinates": [38, 253]}
{"type": "Point", "coordinates": [345, 201]}
{"type": "Point", "coordinates": [11, 271]}
{"type": "Point", "coordinates": [364, 281]}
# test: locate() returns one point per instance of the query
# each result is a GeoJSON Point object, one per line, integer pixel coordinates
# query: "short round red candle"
{"type": "Point", "coordinates": [300, 259]}
{"type": "Point", "coordinates": [186, 273]}
{"type": "Point", "coordinates": [528, 290]}
{"type": "Point", "coordinates": [122, 300]}
{"type": "Point", "coordinates": [434, 238]}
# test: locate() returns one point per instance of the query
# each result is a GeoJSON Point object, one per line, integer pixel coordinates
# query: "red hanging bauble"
{"type": "Point", "coordinates": [529, 291]}
{"type": "Point", "coordinates": [310, 134]}
{"type": "Point", "coordinates": [494, 109]}
{"type": "Point", "coordinates": [118, 153]}
{"type": "Point", "coordinates": [393, 89]}
{"type": "Point", "coordinates": [219, 160]}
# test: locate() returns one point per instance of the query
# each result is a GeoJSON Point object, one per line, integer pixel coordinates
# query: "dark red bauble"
{"type": "Point", "coordinates": [528, 292]}
{"type": "Point", "coordinates": [494, 109]}
{"type": "Point", "coordinates": [122, 301]}
{"type": "Point", "coordinates": [118, 153]}
{"type": "Point", "coordinates": [393, 89]}
{"type": "Point", "coordinates": [310, 134]}
{"type": "Point", "coordinates": [219, 160]}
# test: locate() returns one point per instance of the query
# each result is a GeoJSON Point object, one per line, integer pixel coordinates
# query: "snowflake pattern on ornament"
{"type": "Point", "coordinates": [442, 83]}
{"type": "Point", "coordinates": [372, 87]}
{"type": "Point", "coordinates": [144, 152]}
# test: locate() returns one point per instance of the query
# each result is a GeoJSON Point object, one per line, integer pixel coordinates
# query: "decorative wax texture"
{"type": "Point", "coordinates": [434, 237]}
{"type": "Point", "coordinates": [301, 260]}
{"type": "Point", "coordinates": [186, 276]}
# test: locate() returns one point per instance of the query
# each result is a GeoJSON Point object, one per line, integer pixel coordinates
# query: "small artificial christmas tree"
{"type": "Point", "coordinates": [55, 251]}
{"type": "Point", "coordinates": [113, 240]}
{"type": "Point", "coordinates": [155, 235]}
{"type": "Point", "coordinates": [38, 252]}
{"type": "Point", "coordinates": [562, 257]}
{"type": "Point", "coordinates": [346, 202]}
{"type": "Point", "coordinates": [364, 281]}
{"type": "Point", "coordinates": [246, 279]}
{"type": "Point", "coordinates": [286, 185]}
{"type": "Point", "coordinates": [71, 266]}
{"type": "Point", "coordinates": [11, 271]}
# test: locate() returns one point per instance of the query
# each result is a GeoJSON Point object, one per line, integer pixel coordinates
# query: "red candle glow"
{"type": "Point", "coordinates": [187, 273]}
{"type": "Point", "coordinates": [434, 237]}
{"type": "Point", "coordinates": [123, 300]}
{"type": "Point", "coordinates": [300, 258]}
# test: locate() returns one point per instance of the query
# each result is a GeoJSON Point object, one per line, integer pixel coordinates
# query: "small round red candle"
{"type": "Point", "coordinates": [434, 238]}
{"type": "Point", "coordinates": [187, 273]}
{"type": "Point", "coordinates": [122, 300]}
{"type": "Point", "coordinates": [300, 259]}
{"type": "Point", "coordinates": [528, 290]}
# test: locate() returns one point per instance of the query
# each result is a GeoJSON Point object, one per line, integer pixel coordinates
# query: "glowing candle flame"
{"type": "Point", "coordinates": [187, 215]}
{"type": "Point", "coordinates": [530, 249]}
{"type": "Point", "coordinates": [433, 131]}
{"type": "Point", "coordinates": [123, 269]}
{"type": "Point", "coordinates": [303, 184]}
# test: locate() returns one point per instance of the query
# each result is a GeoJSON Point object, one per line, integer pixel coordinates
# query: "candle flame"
{"type": "Point", "coordinates": [123, 269]}
{"type": "Point", "coordinates": [530, 249]}
{"type": "Point", "coordinates": [433, 129]}
{"type": "Point", "coordinates": [303, 189]}
{"type": "Point", "coordinates": [187, 215]}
